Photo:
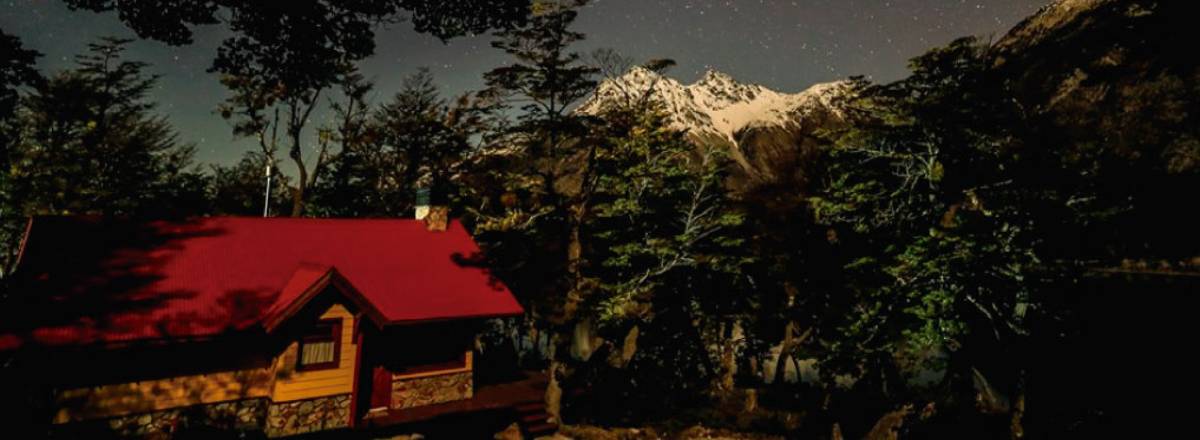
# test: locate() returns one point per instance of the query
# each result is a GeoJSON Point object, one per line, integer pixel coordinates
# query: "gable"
{"type": "Point", "coordinates": [308, 284]}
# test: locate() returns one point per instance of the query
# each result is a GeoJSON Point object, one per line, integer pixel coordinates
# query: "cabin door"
{"type": "Point", "coordinates": [373, 394]}
{"type": "Point", "coordinates": [381, 388]}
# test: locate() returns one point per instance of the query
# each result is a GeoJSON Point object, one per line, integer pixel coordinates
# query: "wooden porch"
{"type": "Point", "coordinates": [520, 401]}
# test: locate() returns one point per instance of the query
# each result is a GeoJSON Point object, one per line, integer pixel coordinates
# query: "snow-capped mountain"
{"type": "Point", "coordinates": [766, 131]}
{"type": "Point", "coordinates": [717, 104]}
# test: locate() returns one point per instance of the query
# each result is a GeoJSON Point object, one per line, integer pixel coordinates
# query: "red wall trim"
{"type": "Point", "coordinates": [358, 366]}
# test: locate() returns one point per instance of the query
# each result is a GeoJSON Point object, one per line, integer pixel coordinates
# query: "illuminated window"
{"type": "Point", "coordinates": [319, 349]}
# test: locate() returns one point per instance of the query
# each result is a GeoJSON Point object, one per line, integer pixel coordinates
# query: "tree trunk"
{"type": "Point", "coordinates": [298, 201]}
{"type": "Point", "coordinates": [298, 191]}
{"type": "Point", "coordinates": [560, 346]}
{"type": "Point", "coordinates": [785, 349]}
{"type": "Point", "coordinates": [620, 358]}
{"type": "Point", "coordinates": [890, 425]}
{"type": "Point", "coordinates": [796, 365]}
{"type": "Point", "coordinates": [728, 357]}
{"type": "Point", "coordinates": [574, 264]}
{"type": "Point", "coordinates": [750, 403]}
{"type": "Point", "coordinates": [535, 343]}
{"type": "Point", "coordinates": [1017, 425]}
{"type": "Point", "coordinates": [554, 388]}
{"type": "Point", "coordinates": [752, 370]}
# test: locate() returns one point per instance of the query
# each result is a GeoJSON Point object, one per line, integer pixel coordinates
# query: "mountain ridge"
{"type": "Point", "coordinates": [716, 103]}
{"type": "Point", "coordinates": [765, 132]}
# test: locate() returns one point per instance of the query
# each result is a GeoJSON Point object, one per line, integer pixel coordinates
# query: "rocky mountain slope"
{"type": "Point", "coordinates": [766, 132]}
{"type": "Point", "coordinates": [1120, 74]}
{"type": "Point", "coordinates": [1114, 85]}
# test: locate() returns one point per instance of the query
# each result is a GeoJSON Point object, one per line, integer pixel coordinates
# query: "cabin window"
{"type": "Point", "coordinates": [319, 349]}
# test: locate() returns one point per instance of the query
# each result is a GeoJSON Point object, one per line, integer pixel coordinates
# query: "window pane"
{"type": "Point", "coordinates": [316, 353]}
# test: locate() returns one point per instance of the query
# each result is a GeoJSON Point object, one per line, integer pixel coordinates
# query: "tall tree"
{"type": "Point", "coordinates": [16, 70]}
{"type": "Point", "coordinates": [943, 242]}
{"type": "Point", "coordinates": [420, 126]}
{"type": "Point", "coordinates": [668, 254]}
{"type": "Point", "coordinates": [91, 143]}
{"type": "Point", "coordinates": [283, 55]}
{"type": "Point", "coordinates": [16, 73]}
{"type": "Point", "coordinates": [545, 81]}
{"type": "Point", "coordinates": [172, 21]}
{"type": "Point", "coordinates": [547, 178]}
{"type": "Point", "coordinates": [416, 140]}
{"type": "Point", "coordinates": [261, 107]}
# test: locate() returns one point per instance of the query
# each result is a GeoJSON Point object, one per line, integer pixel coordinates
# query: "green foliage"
{"type": "Point", "coordinates": [666, 254]}
{"type": "Point", "coordinates": [240, 189]}
{"type": "Point", "coordinates": [417, 140]}
{"type": "Point", "coordinates": [546, 79]}
{"type": "Point", "coordinates": [664, 227]}
{"type": "Point", "coordinates": [90, 143]}
{"type": "Point", "coordinates": [171, 21]}
{"type": "Point", "coordinates": [16, 70]}
{"type": "Point", "coordinates": [607, 221]}
{"type": "Point", "coordinates": [944, 246]}
{"type": "Point", "coordinates": [284, 55]}
{"type": "Point", "coordinates": [528, 185]}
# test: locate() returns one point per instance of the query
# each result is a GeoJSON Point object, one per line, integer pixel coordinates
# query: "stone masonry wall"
{"type": "Point", "coordinates": [408, 393]}
{"type": "Point", "coordinates": [245, 415]}
{"type": "Point", "coordinates": [301, 416]}
{"type": "Point", "coordinates": [276, 419]}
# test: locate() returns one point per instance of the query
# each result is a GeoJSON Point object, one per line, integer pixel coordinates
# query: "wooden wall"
{"type": "Point", "coordinates": [298, 385]}
{"type": "Point", "coordinates": [468, 364]}
{"type": "Point", "coordinates": [154, 395]}
{"type": "Point", "coordinates": [278, 381]}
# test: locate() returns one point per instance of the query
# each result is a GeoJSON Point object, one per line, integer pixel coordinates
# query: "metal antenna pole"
{"type": "Point", "coordinates": [267, 197]}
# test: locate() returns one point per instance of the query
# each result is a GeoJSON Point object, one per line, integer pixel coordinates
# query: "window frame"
{"type": "Point", "coordinates": [334, 335]}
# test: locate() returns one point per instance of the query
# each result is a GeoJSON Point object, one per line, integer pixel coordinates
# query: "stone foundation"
{"type": "Point", "coordinates": [408, 393]}
{"type": "Point", "coordinates": [275, 419]}
{"type": "Point", "coordinates": [243, 415]}
{"type": "Point", "coordinates": [301, 416]}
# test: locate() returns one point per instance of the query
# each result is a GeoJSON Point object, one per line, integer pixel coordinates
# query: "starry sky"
{"type": "Point", "coordinates": [786, 45]}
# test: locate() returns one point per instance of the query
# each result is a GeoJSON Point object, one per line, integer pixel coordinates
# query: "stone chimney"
{"type": "Point", "coordinates": [437, 219]}
{"type": "Point", "coordinates": [422, 204]}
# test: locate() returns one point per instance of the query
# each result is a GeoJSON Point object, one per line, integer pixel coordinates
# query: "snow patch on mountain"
{"type": "Point", "coordinates": [716, 104]}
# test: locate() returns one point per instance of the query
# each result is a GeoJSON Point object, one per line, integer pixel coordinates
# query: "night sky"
{"type": "Point", "coordinates": [784, 45]}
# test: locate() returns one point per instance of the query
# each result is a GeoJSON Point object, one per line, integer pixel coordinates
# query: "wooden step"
{"type": "Point", "coordinates": [530, 407]}
{"type": "Point", "coordinates": [541, 428]}
{"type": "Point", "coordinates": [534, 418]}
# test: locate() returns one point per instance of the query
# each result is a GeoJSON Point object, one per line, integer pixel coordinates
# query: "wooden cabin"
{"type": "Point", "coordinates": [284, 325]}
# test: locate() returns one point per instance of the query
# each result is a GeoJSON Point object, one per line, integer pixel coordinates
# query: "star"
{"type": "Point", "coordinates": [785, 45]}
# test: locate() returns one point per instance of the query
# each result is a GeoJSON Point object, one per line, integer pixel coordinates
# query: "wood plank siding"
{"type": "Point", "coordinates": [467, 365]}
{"type": "Point", "coordinates": [298, 385]}
{"type": "Point", "coordinates": [278, 381]}
{"type": "Point", "coordinates": [154, 395]}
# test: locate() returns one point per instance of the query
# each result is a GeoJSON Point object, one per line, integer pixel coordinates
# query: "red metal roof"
{"type": "Point", "coordinates": [85, 280]}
